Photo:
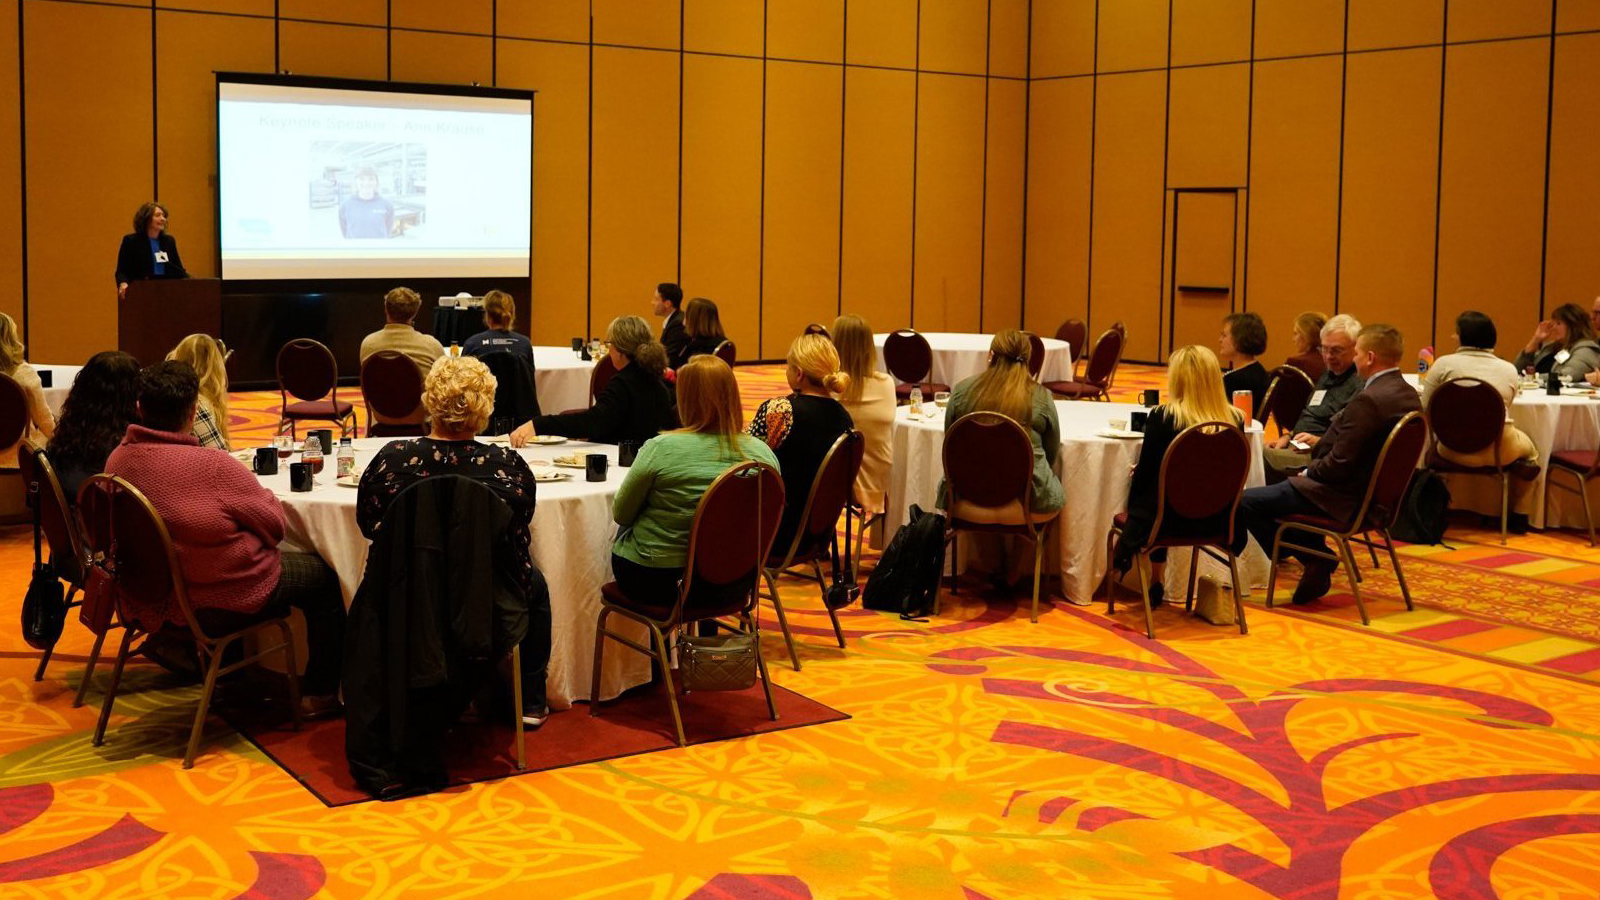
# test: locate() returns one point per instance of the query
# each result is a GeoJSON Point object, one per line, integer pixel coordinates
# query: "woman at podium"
{"type": "Point", "coordinates": [149, 252]}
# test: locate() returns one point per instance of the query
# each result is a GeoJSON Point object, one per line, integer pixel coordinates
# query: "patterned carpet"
{"type": "Point", "coordinates": [1453, 751]}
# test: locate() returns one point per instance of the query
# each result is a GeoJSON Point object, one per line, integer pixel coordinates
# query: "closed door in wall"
{"type": "Point", "coordinates": [1205, 224]}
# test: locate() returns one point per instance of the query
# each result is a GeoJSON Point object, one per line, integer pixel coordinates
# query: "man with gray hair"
{"type": "Point", "coordinates": [1338, 384]}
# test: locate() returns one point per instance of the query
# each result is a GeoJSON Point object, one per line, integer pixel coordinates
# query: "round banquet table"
{"type": "Point", "coordinates": [957, 357]}
{"type": "Point", "coordinates": [1095, 472]}
{"type": "Point", "coordinates": [60, 383]}
{"type": "Point", "coordinates": [561, 379]}
{"type": "Point", "coordinates": [572, 532]}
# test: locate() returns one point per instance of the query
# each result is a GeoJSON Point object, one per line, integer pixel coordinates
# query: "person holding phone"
{"type": "Point", "coordinates": [149, 252]}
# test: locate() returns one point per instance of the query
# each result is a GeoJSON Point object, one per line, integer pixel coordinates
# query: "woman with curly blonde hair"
{"type": "Point", "coordinates": [802, 427]}
{"type": "Point", "coordinates": [209, 359]}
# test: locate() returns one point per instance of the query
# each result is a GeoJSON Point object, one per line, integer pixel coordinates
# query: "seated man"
{"type": "Point", "coordinates": [1333, 390]}
{"type": "Point", "coordinates": [1341, 462]}
{"type": "Point", "coordinates": [226, 528]}
{"type": "Point", "coordinates": [400, 308]}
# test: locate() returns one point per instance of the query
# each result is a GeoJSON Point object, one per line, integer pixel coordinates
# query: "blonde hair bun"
{"type": "Point", "coordinates": [836, 382]}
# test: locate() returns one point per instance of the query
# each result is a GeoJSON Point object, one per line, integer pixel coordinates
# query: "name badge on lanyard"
{"type": "Point", "coordinates": [161, 256]}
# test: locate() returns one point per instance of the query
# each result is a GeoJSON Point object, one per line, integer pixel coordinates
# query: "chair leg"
{"type": "Point", "coordinates": [861, 537]}
{"type": "Point", "coordinates": [599, 648]}
{"type": "Point", "coordinates": [111, 688]}
{"type": "Point", "coordinates": [761, 664]}
{"type": "Point", "coordinates": [1355, 582]}
{"type": "Point", "coordinates": [1272, 571]}
{"type": "Point", "coordinates": [1238, 601]}
{"type": "Point", "coordinates": [516, 700]}
{"type": "Point", "coordinates": [1038, 562]}
{"type": "Point", "coordinates": [1111, 583]}
{"type": "Point", "coordinates": [1194, 575]}
{"type": "Point", "coordinates": [838, 631]}
{"type": "Point", "coordinates": [1588, 517]}
{"type": "Point", "coordinates": [660, 643]}
{"type": "Point", "coordinates": [44, 660]}
{"type": "Point", "coordinates": [292, 670]}
{"type": "Point", "coordinates": [1371, 549]}
{"type": "Point", "coordinates": [1394, 559]}
{"type": "Point", "coordinates": [1142, 561]}
{"type": "Point", "coordinates": [213, 665]}
{"type": "Point", "coordinates": [955, 561]}
{"type": "Point", "coordinates": [1505, 507]}
{"type": "Point", "coordinates": [783, 621]}
{"type": "Point", "coordinates": [88, 670]}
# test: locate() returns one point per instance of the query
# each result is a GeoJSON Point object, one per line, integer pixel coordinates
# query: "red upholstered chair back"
{"type": "Point", "coordinates": [988, 461]}
{"type": "Point", "coordinates": [1075, 333]}
{"type": "Point", "coordinates": [830, 491]}
{"type": "Point", "coordinates": [1103, 361]}
{"type": "Point", "coordinates": [56, 519]}
{"type": "Point", "coordinates": [1466, 415]}
{"type": "Point", "coordinates": [1035, 353]}
{"type": "Point", "coordinates": [600, 377]}
{"type": "Point", "coordinates": [907, 356]}
{"type": "Point", "coordinates": [131, 539]}
{"type": "Point", "coordinates": [727, 352]}
{"type": "Point", "coordinates": [1391, 474]}
{"type": "Point", "coordinates": [1287, 396]}
{"type": "Point", "coordinates": [1203, 475]}
{"type": "Point", "coordinates": [13, 412]}
{"type": "Point", "coordinates": [732, 532]}
{"type": "Point", "coordinates": [306, 369]}
{"type": "Point", "coordinates": [392, 386]}
{"type": "Point", "coordinates": [814, 328]}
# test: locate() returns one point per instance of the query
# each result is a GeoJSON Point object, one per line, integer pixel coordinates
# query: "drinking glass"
{"type": "Point", "coordinates": [284, 445]}
{"type": "Point", "coordinates": [941, 398]}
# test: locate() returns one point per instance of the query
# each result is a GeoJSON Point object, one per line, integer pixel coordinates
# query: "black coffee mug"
{"type": "Point", "coordinates": [300, 477]}
{"type": "Point", "coordinates": [46, 378]}
{"type": "Point", "coordinates": [1552, 384]}
{"type": "Point", "coordinates": [1152, 397]}
{"type": "Point", "coordinates": [577, 344]}
{"type": "Point", "coordinates": [1137, 420]}
{"type": "Point", "coordinates": [324, 437]}
{"type": "Point", "coordinates": [266, 462]}
{"type": "Point", "coordinates": [626, 452]}
{"type": "Point", "coordinates": [595, 466]}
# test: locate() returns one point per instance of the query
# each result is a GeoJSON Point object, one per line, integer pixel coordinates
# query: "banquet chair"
{"type": "Point", "coordinates": [1101, 369]}
{"type": "Point", "coordinates": [1380, 507]}
{"type": "Point", "coordinates": [129, 543]}
{"type": "Point", "coordinates": [727, 352]}
{"type": "Point", "coordinates": [1035, 355]}
{"type": "Point", "coordinates": [814, 328]}
{"type": "Point", "coordinates": [598, 379]}
{"type": "Point", "coordinates": [516, 391]}
{"type": "Point", "coordinates": [1288, 394]}
{"type": "Point", "coordinates": [729, 540]}
{"type": "Point", "coordinates": [1581, 466]}
{"type": "Point", "coordinates": [391, 385]}
{"type": "Point", "coordinates": [857, 521]}
{"type": "Point", "coordinates": [1076, 334]}
{"type": "Point", "coordinates": [988, 466]}
{"type": "Point", "coordinates": [1202, 477]}
{"type": "Point", "coordinates": [62, 534]}
{"type": "Point", "coordinates": [13, 425]}
{"type": "Point", "coordinates": [909, 360]}
{"type": "Point", "coordinates": [307, 372]}
{"type": "Point", "coordinates": [1465, 416]}
{"type": "Point", "coordinates": [817, 537]}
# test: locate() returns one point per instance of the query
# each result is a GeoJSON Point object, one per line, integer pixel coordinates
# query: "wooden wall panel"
{"type": "Point", "coordinates": [801, 252]}
{"type": "Point", "coordinates": [947, 282]}
{"type": "Point", "coordinates": [1209, 122]}
{"type": "Point", "coordinates": [637, 23]}
{"type": "Point", "coordinates": [1008, 38]}
{"type": "Point", "coordinates": [806, 29]}
{"type": "Point", "coordinates": [469, 16]}
{"type": "Point", "coordinates": [1391, 154]}
{"type": "Point", "coordinates": [1476, 20]}
{"type": "Point", "coordinates": [1577, 15]}
{"type": "Point", "coordinates": [1572, 270]}
{"type": "Point", "coordinates": [190, 47]}
{"type": "Point", "coordinates": [73, 232]}
{"type": "Point", "coordinates": [431, 57]}
{"type": "Point", "coordinates": [555, 20]}
{"type": "Point", "coordinates": [1005, 188]}
{"type": "Point", "coordinates": [722, 191]}
{"type": "Point", "coordinates": [723, 26]}
{"type": "Point", "coordinates": [1296, 27]}
{"type": "Point", "coordinates": [347, 51]}
{"type": "Point", "coordinates": [1395, 23]}
{"type": "Point", "coordinates": [878, 133]}
{"type": "Point", "coordinates": [1492, 191]}
{"type": "Point", "coordinates": [1294, 197]}
{"type": "Point", "coordinates": [1063, 38]}
{"type": "Point", "coordinates": [947, 32]}
{"type": "Point", "coordinates": [357, 12]}
{"type": "Point", "coordinates": [1125, 279]}
{"type": "Point", "coordinates": [883, 33]}
{"type": "Point", "coordinates": [1210, 31]}
{"type": "Point", "coordinates": [634, 223]}
{"type": "Point", "coordinates": [1133, 35]}
{"type": "Point", "coordinates": [11, 172]}
{"type": "Point", "coordinates": [236, 7]}
{"type": "Point", "coordinates": [1061, 119]}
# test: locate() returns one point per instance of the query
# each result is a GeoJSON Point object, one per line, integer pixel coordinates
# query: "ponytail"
{"type": "Point", "coordinates": [836, 382]}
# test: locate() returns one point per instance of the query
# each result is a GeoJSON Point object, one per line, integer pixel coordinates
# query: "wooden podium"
{"type": "Point", "coordinates": [158, 313]}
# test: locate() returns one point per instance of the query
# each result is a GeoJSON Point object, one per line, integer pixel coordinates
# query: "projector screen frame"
{"type": "Point", "coordinates": [369, 85]}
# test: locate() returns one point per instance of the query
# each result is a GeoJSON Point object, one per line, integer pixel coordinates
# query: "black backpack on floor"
{"type": "Point", "coordinates": [1423, 512]}
{"type": "Point", "coordinates": [906, 580]}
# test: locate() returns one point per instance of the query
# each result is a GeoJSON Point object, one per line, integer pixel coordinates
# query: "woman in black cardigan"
{"type": "Point", "coordinates": [149, 252]}
{"type": "Point", "coordinates": [635, 405]}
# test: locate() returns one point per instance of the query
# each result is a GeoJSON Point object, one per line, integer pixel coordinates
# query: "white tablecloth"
{"type": "Point", "coordinates": [560, 379]}
{"type": "Point", "coordinates": [572, 532]}
{"type": "Point", "coordinates": [1095, 473]}
{"type": "Point", "coordinates": [957, 357]}
{"type": "Point", "coordinates": [60, 383]}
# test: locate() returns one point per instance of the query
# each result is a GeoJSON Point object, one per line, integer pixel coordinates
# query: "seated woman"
{"type": "Point", "coordinates": [94, 418]}
{"type": "Point", "coordinates": [459, 395]}
{"type": "Point", "coordinates": [1195, 395]}
{"type": "Point", "coordinates": [802, 427]}
{"type": "Point", "coordinates": [1308, 345]}
{"type": "Point", "coordinates": [656, 502]}
{"type": "Point", "coordinates": [1564, 343]}
{"type": "Point", "coordinates": [209, 359]}
{"type": "Point", "coordinates": [41, 423]}
{"type": "Point", "coordinates": [1007, 388]}
{"type": "Point", "coordinates": [636, 404]}
{"type": "Point", "coordinates": [870, 401]}
{"type": "Point", "coordinates": [1243, 338]}
{"type": "Point", "coordinates": [499, 314]}
{"type": "Point", "coordinates": [704, 327]}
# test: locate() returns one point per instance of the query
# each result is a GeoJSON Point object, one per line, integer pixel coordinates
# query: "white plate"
{"type": "Point", "coordinates": [495, 438]}
{"type": "Point", "coordinates": [567, 465]}
{"type": "Point", "coordinates": [352, 482]}
{"type": "Point", "coordinates": [1120, 435]}
{"type": "Point", "coordinates": [542, 476]}
{"type": "Point", "coordinates": [547, 439]}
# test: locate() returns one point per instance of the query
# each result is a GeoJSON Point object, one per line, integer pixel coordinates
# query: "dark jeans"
{"type": "Point", "coordinates": [306, 583]}
{"type": "Point", "coordinates": [1261, 509]}
{"type": "Point", "coordinates": [535, 644]}
{"type": "Point", "coordinates": [659, 587]}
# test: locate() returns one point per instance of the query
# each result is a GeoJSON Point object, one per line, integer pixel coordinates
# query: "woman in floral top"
{"type": "Point", "coordinates": [459, 396]}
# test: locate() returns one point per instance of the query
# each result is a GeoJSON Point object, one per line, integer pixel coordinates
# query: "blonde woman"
{"type": "Point", "coordinates": [41, 422]}
{"type": "Point", "coordinates": [1007, 388]}
{"type": "Point", "coordinates": [655, 504]}
{"type": "Point", "coordinates": [703, 324]}
{"type": "Point", "coordinates": [1195, 395]}
{"type": "Point", "coordinates": [870, 401]}
{"type": "Point", "coordinates": [499, 314]}
{"type": "Point", "coordinates": [1308, 344]}
{"type": "Point", "coordinates": [209, 359]}
{"type": "Point", "coordinates": [801, 427]}
{"type": "Point", "coordinates": [636, 404]}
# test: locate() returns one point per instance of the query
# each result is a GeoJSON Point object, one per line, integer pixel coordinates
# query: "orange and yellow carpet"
{"type": "Point", "coordinates": [1453, 751]}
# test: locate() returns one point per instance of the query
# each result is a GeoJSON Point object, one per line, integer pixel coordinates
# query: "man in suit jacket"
{"type": "Point", "coordinates": [1335, 482]}
{"type": "Point", "coordinates": [668, 302]}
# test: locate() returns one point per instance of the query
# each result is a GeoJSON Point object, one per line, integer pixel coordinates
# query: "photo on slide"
{"type": "Point", "coordinates": [368, 190]}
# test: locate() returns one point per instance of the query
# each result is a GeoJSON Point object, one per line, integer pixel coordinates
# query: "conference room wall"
{"type": "Point", "coordinates": [1390, 157]}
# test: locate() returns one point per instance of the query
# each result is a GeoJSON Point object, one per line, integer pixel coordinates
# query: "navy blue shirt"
{"type": "Point", "coordinates": [493, 341]}
{"type": "Point", "coordinates": [360, 218]}
{"type": "Point", "coordinates": [155, 254]}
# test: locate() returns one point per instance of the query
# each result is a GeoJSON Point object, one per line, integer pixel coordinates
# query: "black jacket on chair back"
{"type": "Point", "coordinates": [516, 400]}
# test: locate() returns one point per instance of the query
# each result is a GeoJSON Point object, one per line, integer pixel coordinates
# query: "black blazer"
{"type": "Point", "coordinates": [135, 262]}
{"type": "Point", "coordinates": [635, 406]}
{"type": "Point", "coordinates": [1341, 463]}
{"type": "Point", "coordinates": [675, 338]}
{"type": "Point", "coordinates": [695, 347]}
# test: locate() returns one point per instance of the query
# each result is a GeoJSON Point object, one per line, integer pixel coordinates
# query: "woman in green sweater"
{"type": "Point", "coordinates": [657, 500]}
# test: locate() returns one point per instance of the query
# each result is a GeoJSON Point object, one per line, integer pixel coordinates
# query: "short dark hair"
{"type": "Point", "coordinates": [1475, 329]}
{"type": "Point", "coordinates": [1249, 333]}
{"type": "Point", "coordinates": [167, 390]}
{"type": "Point", "coordinates": [671, 293]}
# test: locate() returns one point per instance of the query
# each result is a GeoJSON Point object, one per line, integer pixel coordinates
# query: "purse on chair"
{"type": "Point", "coordinates": [719, 662]}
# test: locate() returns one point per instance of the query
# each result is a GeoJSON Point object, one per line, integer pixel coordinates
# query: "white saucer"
{"type": "Point", "coordinates": [1119, 435]}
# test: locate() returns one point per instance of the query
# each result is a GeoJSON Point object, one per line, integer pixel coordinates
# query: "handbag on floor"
{"type": "Point", "coordinates": [717, 662]}
{"type": "Point", "coordinates": [44, 607]}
